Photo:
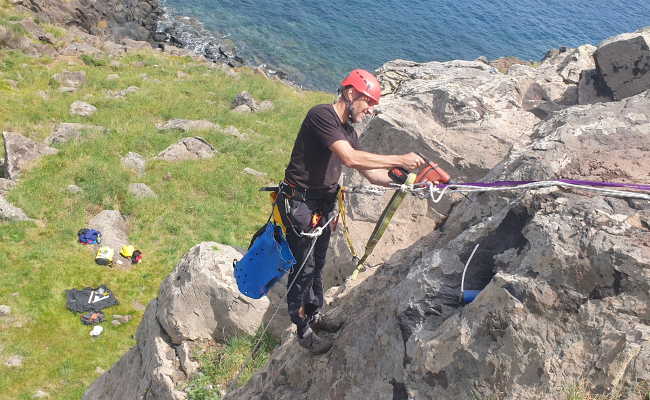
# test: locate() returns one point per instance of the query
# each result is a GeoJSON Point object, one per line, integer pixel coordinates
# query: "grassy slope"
{"type": "Point", "coordinates": [204, 200]}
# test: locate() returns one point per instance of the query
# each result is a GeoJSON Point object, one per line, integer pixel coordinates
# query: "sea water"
{"type": "Point", "coordinates": [318, 42]}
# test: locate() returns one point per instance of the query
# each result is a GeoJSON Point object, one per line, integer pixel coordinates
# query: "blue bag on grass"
{"type": "Point", "coordinates": [268, 258]}
{"type": "Point", "coordinates": [89, 236]}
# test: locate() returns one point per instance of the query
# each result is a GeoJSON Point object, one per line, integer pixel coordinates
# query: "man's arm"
{"type": "Point", "coordinates": [362, 160]}
{"type": "Point", "coordinates": [377, 176]}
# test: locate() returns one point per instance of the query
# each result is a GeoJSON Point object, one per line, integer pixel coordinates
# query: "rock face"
{"type": "Point", "coordinates": [564, 279]}
{"type": "Point", "coordinates": [445, 111]}
{"type": "Point", "coordinates": [189, 148]}
{"type": "Point", "coordinates": [198, 301]}
{"type": "Point", "coordinates": [135, 19]}
{"type": "Point", "coordinates": [592, 88]}
{"type": "Point", "coordinates": [624, 63]}
{"type": "Point", "coordinates": [21, 153]}
{"type": "Point", "coordinates": [553, 84]}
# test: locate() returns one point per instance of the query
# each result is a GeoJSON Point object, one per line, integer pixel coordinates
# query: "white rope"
{"type": "Point", "coordinates": [462, 280]}
{"type": "Point", "coordinates": [431, 190]}
{"type": "Point", "coordinates": [372, 190]}
{"type": "Point", "coordinates": [319, 230]}
{"type": "Point", "coordinates": [314, 236]}
{"type": "Point", "coordinates": [428, 189]}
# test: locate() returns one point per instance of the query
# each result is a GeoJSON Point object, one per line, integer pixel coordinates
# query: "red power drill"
{"type": "Point", "coordinates": [431, 172]}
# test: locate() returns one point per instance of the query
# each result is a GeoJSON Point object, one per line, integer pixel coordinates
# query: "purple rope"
{"type": "Point", "coordinates": [570, 181]}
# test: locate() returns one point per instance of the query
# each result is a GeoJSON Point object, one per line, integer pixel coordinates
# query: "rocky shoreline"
{"type": "Point", "coordinates": [146, 20]}
{"type": "Point", "coordinates": [162, 27]}
{"type": "Point", "coordinates": [189, 33]}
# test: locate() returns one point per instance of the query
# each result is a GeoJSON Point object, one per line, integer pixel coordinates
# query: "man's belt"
{"type": "Point", "coordinates": [301, 193]}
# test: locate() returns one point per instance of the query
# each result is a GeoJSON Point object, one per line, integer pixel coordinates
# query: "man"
{"type": "Point", "coordinates": [325, 142]}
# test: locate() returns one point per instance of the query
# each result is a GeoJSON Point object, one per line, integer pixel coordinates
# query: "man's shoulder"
{"type": "Point", "coordinates": [324, 110]}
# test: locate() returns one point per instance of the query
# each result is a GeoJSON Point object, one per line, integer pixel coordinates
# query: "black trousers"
{"type": "Point", "coordinates": [297, 213]}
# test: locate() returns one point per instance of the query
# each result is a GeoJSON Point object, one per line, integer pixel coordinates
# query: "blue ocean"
{"type": "Point", "coordinates": [317, 42]}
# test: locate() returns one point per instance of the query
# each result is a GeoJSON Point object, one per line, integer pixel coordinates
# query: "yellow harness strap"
{"type": "Point", "coordinates": [346, 232]}
{"type": "Point", "coordinates": [277, 218]}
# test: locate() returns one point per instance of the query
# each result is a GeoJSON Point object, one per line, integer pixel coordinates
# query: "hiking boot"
{"type": "Point", "coordinates": [314, 343]}
{"type": "Point", "coordinates": [321, 322]}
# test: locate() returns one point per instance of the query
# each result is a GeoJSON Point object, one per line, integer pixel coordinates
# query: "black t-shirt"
{"type": "Point", "coordinates": [313, 165]}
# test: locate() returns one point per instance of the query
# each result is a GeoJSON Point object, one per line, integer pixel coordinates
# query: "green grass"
{"type": "Point", "coordinates": [207, 200]}
{"type": "Point", "coordinates": [53, 30]}
{"type": "Point", "coordinates": [220, 365]}
{"type": "Point", "coordinates": [582, 391]}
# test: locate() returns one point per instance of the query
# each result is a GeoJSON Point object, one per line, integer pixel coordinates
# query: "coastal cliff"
{"type": "Point", "coordinates": [562, 272]}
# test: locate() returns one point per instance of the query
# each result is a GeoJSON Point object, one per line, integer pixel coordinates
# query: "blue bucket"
{"type": "Point", "coordinates": [470, 295]}
{"type": "Point", "coordinates": [266, 261]}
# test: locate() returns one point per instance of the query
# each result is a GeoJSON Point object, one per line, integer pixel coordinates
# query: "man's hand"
{"type": "Point", "coordinates": [412, 161]}
{"type": "Point", "coordinates": [362, 160]}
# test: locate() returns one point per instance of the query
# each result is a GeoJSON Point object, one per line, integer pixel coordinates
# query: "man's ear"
{"type": "Point", "coordinates": [349, 92]}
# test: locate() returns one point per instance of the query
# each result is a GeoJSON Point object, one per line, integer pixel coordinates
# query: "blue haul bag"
{"type": "Point", "coordinates": [268, 258]}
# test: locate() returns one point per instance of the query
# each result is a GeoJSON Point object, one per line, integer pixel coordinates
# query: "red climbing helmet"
{"type": "Point", "coordinates": [365, 83]}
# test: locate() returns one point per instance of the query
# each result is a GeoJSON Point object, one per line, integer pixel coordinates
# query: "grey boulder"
{"type": "Point", "coordinates": [187, 125]}
{"type": "Point", "coordinates": [4, 310]}
{"type": "Point", "coordinates": [120, 94]}
{"type": "Point", "coordinates": [114, 229]}
{"type": "Point", "coordinates": [15, 361]}
{"type": "Point", "coordinates": [244, 98]}
{"type": "Point", "coordinates": [592, 88]}
{"type": "Point", "coordinates": [71, 79]}
{"type": "Point", "coordinates": [134, 162]}
{"type": "Point", "coordinates": [74, 189]}
{"type": "Point", "coordinates": [251, 171]}
{"type": "Point", "coordinates": [82, 108]}
{"type": "Point", "coordinates": [9, 212]}
{"type": "Point", "coordinates": [244, 102]}
{"type": "Point", "coordinates": [198, 301]}
{"type": "Point", "coordinates": [189, 148]}
{"type": "Point", "coordinates": [22, 153]}
{"type": "Point", "coordinates": [233, 131]}
{"type": "Point", "coordinates": [68, 131]}
{"type": "Point", "coordinates": [624, 63]}
{"type": "Point", "coordinates": [6, 184]}
{"type": "Point", "coordinates": [141, 191]}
